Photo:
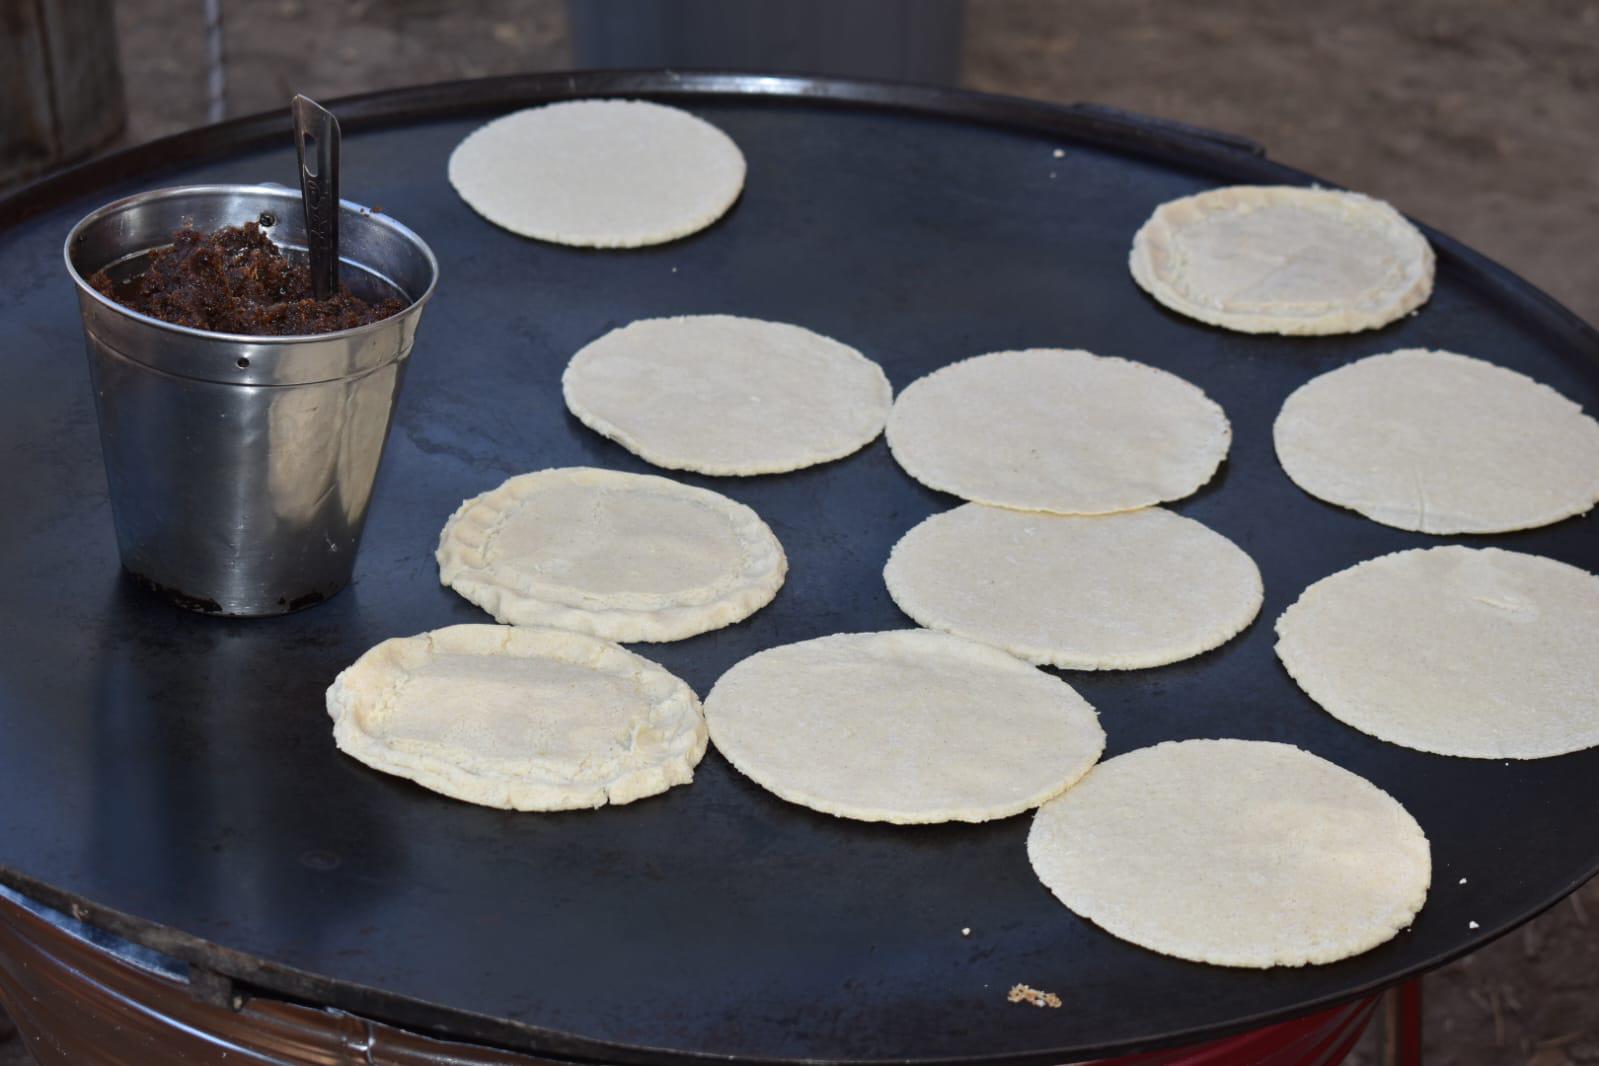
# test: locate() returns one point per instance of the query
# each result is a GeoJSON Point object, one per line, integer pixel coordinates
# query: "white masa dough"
{"type": "Point", "coordinates": [628, 557]}
{"type": "Point", "coordinates": [906, 726]}
{"type": "Point", "coordinates": [1283, 259]}
{"type": "Point", "coordinates": [1440, 443]}
{"type": "Point", "coordinates": [724, 395]}
{"type": "Point", "coordinates": [525, 719]}
{"type": "Point", "coordinates": [1107, 592]}
{"type": "Point", "coordinates": [1234, 853]}
{"type": "Point", "coordinates": [1058, 430]}
{"type": "Point", "coordinates": [1475, 652]}
{"type": "Point", "coordinates": [599, 173]}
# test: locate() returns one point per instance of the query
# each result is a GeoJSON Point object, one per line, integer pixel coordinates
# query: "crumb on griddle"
{"type": "Point", "coordinates": [1028, 994]}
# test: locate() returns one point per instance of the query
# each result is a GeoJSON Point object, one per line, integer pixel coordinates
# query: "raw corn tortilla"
{"type": "Point", "coordinates": [525, 719]}
{"type": "Point", "coordinates": [1059, 430]}
{"type": "Point", "coordinates": [725, 395]}
{"type": "Point", "coordinates": [1234, 853]}
{"type": "Point", "coordinates": [906, 726]}
{"type": "Point", "coordinates": [599, 173]}
{"type": "Point", "coordinates": [1440, 443]}
{"type": "Point", "coordinates": [628, 557]}
{"type": "Point", "coordinates": [1106, 592]}
{"type": "Point", "coordinates": [1283, 259]}
{"type": "Point", "coordinates": [1475, 652]}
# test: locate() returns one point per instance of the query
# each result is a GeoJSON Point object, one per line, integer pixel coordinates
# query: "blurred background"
{"type": "Point", "coordinates": [1478, 116]}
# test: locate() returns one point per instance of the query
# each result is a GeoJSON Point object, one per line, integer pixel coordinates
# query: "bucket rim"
{"type": "Point", "coordinates": [267, 189]}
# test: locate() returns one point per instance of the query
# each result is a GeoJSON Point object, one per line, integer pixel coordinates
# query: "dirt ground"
{"type": "Point", "coordinates": [1477, 116]}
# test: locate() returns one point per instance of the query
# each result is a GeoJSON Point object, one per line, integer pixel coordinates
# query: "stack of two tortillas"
{"type": "Point", "coordinates": [548, 713]}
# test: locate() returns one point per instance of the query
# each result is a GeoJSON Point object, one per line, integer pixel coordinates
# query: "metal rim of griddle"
{"type": "Point", "coordinates": [1220, 155]}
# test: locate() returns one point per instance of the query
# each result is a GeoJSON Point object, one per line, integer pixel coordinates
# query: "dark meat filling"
{"type": "Point", "coordinates": [237, 281]}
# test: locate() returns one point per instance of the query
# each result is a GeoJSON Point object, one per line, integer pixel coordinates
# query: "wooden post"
{"type": "Point", "coordinates": [1401, 1025]}
{"type": "Point", "coordinates": [60, 81]}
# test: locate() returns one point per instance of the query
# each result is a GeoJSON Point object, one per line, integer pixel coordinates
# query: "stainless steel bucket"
{"type": "Point", "coordinates": [240, 467]}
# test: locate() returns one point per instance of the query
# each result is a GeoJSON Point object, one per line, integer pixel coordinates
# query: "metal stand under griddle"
{"type": "Point", "coordinates": [79, 993]}
{"type": "Point", "coordinates": [170, 778]}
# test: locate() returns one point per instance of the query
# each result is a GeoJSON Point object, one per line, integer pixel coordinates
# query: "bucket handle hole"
{"type": "Point", "coordinates": [244, 362]}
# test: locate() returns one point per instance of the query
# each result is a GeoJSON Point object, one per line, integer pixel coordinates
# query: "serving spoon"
{"type": "Point", "coordinates": [316, 138]}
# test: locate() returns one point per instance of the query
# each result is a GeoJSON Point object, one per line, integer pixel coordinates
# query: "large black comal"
{"type": "Point", "coordinates": [173, 775]}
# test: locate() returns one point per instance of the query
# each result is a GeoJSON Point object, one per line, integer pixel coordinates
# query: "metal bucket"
{"type": "Point", "coordinates": [240, 467]}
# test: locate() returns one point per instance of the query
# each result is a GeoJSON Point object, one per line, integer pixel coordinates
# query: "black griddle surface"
{"type": "Point", "coordinates": [174, 775]}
